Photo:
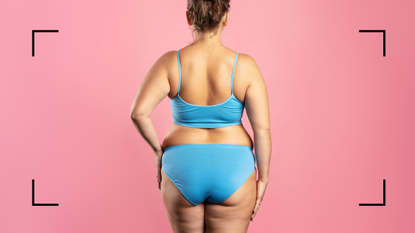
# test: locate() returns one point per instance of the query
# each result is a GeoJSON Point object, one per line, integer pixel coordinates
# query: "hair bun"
{"type": "Point", "coordinates": [206, 14]}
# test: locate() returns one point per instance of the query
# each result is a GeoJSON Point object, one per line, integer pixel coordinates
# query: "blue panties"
{"type": "Point", "coordinates": [211, 172]}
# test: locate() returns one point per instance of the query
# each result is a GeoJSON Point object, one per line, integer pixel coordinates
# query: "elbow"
{"type": "Point", "coordinates": [133, 116]}
{"type": "Point", "coordinates": [138, 112]}
{"type": "Point", "coordinates": [136, 116]}
{"type": "Point", "coordinates": [262, 131]}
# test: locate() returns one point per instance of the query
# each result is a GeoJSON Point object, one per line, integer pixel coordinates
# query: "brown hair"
{"type": "Point", "coordinates": [206, 14]}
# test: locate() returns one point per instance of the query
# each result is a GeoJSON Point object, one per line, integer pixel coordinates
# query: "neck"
{"type": "Point", "coordinates": [208, 39]}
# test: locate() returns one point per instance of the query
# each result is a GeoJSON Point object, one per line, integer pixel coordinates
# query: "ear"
{"type": "Point", "coordinates": [226, 16]}
{"type": "Point", "coordinates": [189, 21]}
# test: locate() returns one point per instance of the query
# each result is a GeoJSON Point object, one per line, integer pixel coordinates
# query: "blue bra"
{"type": "Point", "coordinates": [220, 115]}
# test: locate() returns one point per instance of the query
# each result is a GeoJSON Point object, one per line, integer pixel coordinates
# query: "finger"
{"type": "Point", "coordinates": [159, 179]}
{"type": "Point", "coordinates": [257, 205]}
{"type": "Point", "coordinates": [254, 213]}
{"type": "Point", "coordinates": [159, 174]}
{"type": "Point", "coordinates": [253, 216]}
{"type": "Point", "coordinates": [160, 183]}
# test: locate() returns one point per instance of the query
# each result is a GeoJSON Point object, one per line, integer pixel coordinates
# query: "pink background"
{"type": "Point", "coordinates": [342, 115]}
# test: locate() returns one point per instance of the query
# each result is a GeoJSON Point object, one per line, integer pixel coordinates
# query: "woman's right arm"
{"type": "Point", "coordinates": [257, 109]}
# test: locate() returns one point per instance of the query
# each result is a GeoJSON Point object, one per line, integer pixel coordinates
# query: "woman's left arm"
{"type": "Point", "coordinates": [151, 92]}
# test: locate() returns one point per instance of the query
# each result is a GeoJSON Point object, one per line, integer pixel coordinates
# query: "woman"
{"type": "Point", "coordinates": [205, 165]}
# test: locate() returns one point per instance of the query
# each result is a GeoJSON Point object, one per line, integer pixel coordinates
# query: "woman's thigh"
{"type": "Point", "coordinates": [183, 216]}
{"type": "Point", "coordinates": [233, 215]}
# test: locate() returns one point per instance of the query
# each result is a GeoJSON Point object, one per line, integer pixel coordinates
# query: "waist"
{"type": "Point", "coordinates": [206, 124]}
{"type": "Point", "coordinates": [235, 134]}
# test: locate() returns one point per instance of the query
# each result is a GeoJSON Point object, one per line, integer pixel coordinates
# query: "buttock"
{"type": "Point", "coordinates": [208, 172]}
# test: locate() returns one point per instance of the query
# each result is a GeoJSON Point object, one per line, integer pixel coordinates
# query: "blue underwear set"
{"type": "Point", "coordinates": [207, 172]}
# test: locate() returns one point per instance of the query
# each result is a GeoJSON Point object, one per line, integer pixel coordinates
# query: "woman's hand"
{"type": "Point", "coordinates": [261, 185]}
{"type": "Point", "coordinates": [157, 157]}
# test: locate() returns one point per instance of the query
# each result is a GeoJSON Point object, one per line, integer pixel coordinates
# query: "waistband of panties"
{"type": "Point", "coordinates": [234, 146]}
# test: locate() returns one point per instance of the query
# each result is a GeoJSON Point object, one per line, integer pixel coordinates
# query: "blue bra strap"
{"type": "Point", "coordinates": [236, 58]}
{"type": "Point", "coordinates": [180, 72]}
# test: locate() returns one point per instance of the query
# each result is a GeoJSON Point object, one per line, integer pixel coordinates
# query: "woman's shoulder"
{"type": "Point", "coordinates": [247, 70]}
{"type": "Point", "coordinates": [168, 60]}
{"type": "Point", "coordinates": [247, 61]}
{"type": "Point", "coordinates": [168, 56]}
{"type": "Point", "coordinates": [246, 65]}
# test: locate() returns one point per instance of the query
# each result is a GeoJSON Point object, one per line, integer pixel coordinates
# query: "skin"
{"type": "Point", "coordinates": [206, 67]}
